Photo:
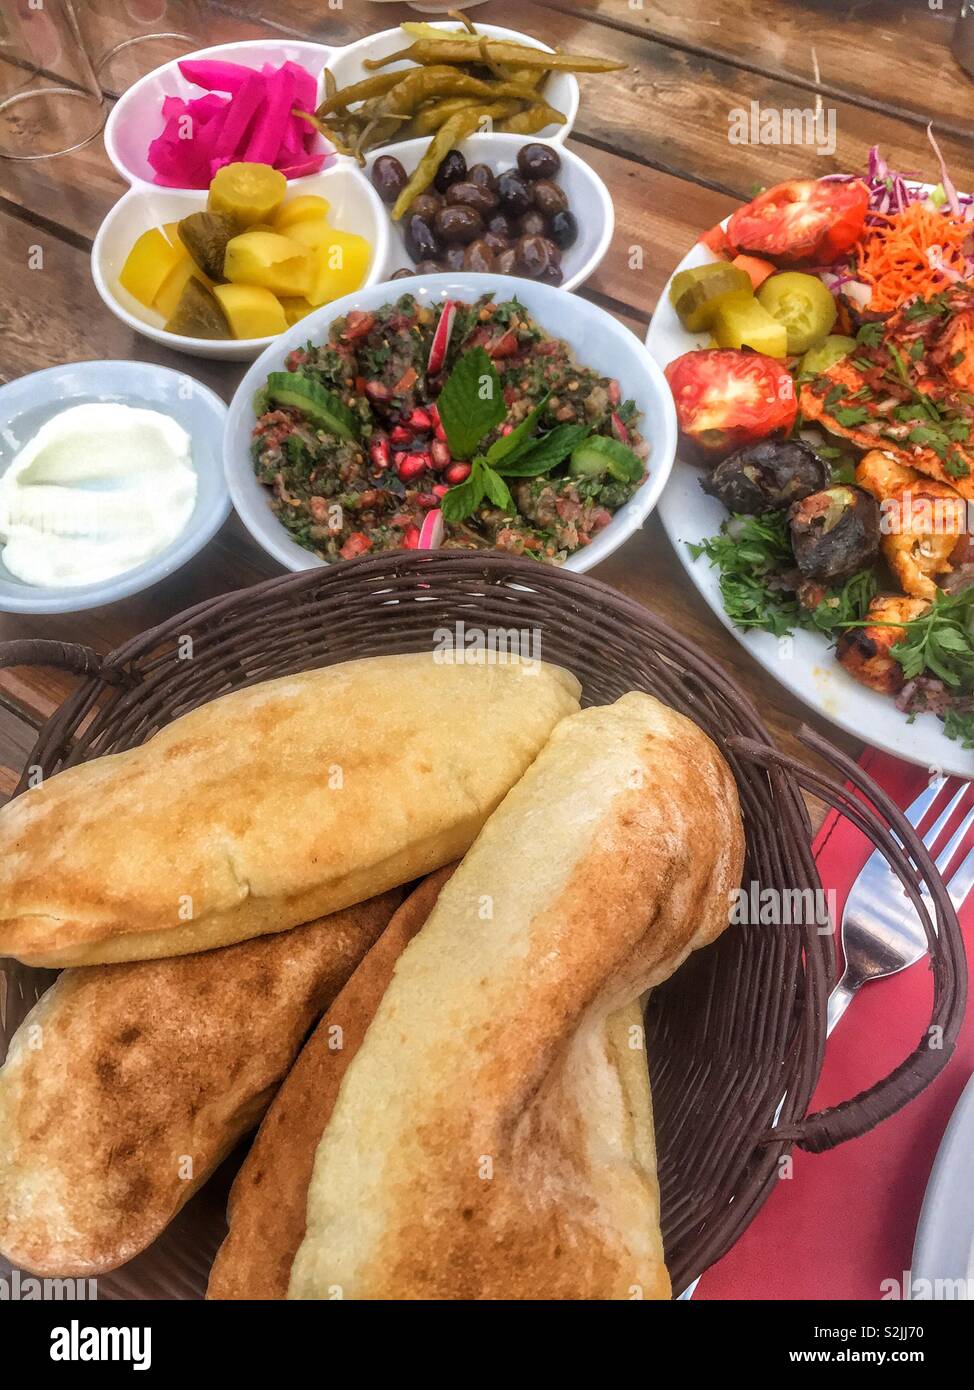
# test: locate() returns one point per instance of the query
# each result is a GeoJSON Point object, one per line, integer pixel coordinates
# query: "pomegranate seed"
{"type": "Point", "coordinates": [411, 539]}
{"type": "Point", "coordinates": [427, 500]}
{"type": "Point", "coordinates": [614, 393]}
{"type": "Point", "coordinates": [457, 473]}
{"type": "Point", "coordinates": [411, 466]}
{"type": "Point", "coordinates": [507, 429]}
{"type": "Point", "coordinates": [440, 490]}
{"type": "Point", "coordinates": [434, 411]}
{"type": "Point", "coordinates": [379, 452]}
{"type": "Point", "coordinates": [440, 432]}
{"type": "Point", "coordinates": [377, 392]}
{"type": "Point", "coordinates": [420, 421]}
{"type": "Point", "coordinates": [400, 435]}
{"type": "Point", "coordinates": [440, 453]}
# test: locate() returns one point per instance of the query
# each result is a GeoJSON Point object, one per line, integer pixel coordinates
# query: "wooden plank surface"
{"type": "Point", "coordinates": [657, 134]}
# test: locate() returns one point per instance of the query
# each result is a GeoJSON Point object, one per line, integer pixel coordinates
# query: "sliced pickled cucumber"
{"type": "Point", "coordinates": [802, 304]}
{"type": "Point", "coordinates": [198, 314]}
{"type": "Point", "coordinates": [696, 301]}
{"type": "Point", "coordinates": [826, 353]}
{"type": "Point", "coordinates": [206, 236]}
{"type": "Point", "coordinates": [744, 323]}
{"type": "Point", "coordinates": [324, 410]}
{"type": "Point", "coordinates": [249, 193]}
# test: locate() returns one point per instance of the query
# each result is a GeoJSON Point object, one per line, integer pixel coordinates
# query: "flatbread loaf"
{"type": "Point", "coordinates": [126, 1085]}
{"type": "Point", "coordinates": [269, 1196]}
{"type": "Point", "coordinates": [486, 1141]}
{"type": "Point", "coordinates": [271, 806]}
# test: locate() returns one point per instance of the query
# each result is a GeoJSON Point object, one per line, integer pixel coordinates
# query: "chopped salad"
{"type": "Point", "coordinates": [833, 413]}
{"type": "Point", "coordinates": [464, 426]}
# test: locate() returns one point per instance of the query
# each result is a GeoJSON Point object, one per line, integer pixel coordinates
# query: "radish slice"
{"type": "Point", "coordinates": [441, 338]}
{"type": "Point", "coordinates": [619, 429]}
{"type": "Point", "coordinates": [431, 532]}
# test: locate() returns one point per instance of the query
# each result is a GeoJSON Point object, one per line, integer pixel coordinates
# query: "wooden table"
{"type": "Point", "coordinates": [658, 135]}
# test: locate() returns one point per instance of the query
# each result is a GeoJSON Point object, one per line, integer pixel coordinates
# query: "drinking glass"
{"type": "Point", "coordinates": [50, 98]}
{"type": "Point", "coordinates": [128, 38]}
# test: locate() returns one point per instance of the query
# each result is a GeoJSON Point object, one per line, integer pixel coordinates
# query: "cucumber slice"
{"type": "Point", "coordinates": [600, 455]}
{"type": "Point", "coordinates": [325, 410]}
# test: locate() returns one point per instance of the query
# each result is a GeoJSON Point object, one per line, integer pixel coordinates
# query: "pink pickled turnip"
{"type": "Point", "coordinates": [432, 531]}
{"type": "Point", "coordinates": [241, 114]}
{"type": "Point", "coordinates": [305, 87]}
{"type": "Point", "coordinates": [441, 338]}
{"type": "Point", "coordinates": [308, 164]}
{"type": "Point", "coordinates": [214, 74]}
{"type": "Point", "coordinates": [271, 120]}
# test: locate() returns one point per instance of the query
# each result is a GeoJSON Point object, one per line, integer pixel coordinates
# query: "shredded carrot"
{"type": "Point", "coordinates": [917, 252]}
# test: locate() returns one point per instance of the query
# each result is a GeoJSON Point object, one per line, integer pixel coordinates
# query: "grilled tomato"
{"type": "Point", "coordinates": [726, 398]}
{"type": "Point", "coordinates": [804, 220]}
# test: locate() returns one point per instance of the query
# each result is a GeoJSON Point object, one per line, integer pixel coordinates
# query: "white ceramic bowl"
{"type": "Point", "coordinates": [599, 341]}
{"type": "Point", "coordinates": [588, 198]}
{"type": "Point", "coordinates": [355, 207]}
{"type": "Point", "coordinates": [560, 90]}
{"type": "Point", "coordinates": [136, 117]}
{"type": "Point", "coordinates": [30, 401]}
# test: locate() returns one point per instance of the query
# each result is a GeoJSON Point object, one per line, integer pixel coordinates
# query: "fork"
{"type": "Point", "coordinates": [881, 931]}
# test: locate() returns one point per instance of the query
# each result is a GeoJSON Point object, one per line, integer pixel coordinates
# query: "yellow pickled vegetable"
{"type": "Point", "coordinates": [308, 207]}
{"type": "Point", "coordinates": [745, 323]}
{"type": "Point", "coordinates": [276, 262]}
{"type": "Point", "coordinates": [341, 260]}
{"type": "Point", "coordinates": [295, 310]}
{"type": "Point", "coordinates": [248, 193]}
{"type": "Point", "coordinates": [171, 230]}
{"type": "Point", "coordinates": [148, 264]}
{"type": "Point", "coordinates": [252, 311]}
{"type": "Point", "coordinates": [171, 290]}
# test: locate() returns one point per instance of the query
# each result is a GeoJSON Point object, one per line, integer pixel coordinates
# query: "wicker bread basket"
{"type": "Point", "coordinates": [735, 1039]}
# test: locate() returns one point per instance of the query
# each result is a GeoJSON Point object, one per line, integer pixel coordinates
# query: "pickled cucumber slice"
{"type": "Point", "coordinates": [697, 294]}
{"type": "Point", "coordinates": [325, 411]}
{"type": "Point", "coordinates": [198, 315]}
{"type": "Point", "coordinates": [249, 193]}
{"type": "Point", "coordinates": [802, 304]}
{"type": "Point", "coordinates": [206, 236]}
{"type": "Point", "coordinates": [826, 353]}
{"type": "Point", "coordinates": [744, 323]}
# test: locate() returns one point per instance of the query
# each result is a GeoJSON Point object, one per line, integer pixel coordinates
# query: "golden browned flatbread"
{"type": "Point", "coordinates": [269, 1197]}
{"type": "Point", "coordinates": [126, 1085]}
{"type": "Point", "coordinates": [489, 1137]}
{"type": "Point", "coordinates": [269, 807]}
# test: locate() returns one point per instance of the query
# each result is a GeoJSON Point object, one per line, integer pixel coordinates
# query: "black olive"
{"type": "Point", "coordinates": [538, 161]}
{"type": "Point", "coordinates": [532, 256]}
{"type": "Point", "coordinates": [471, 195]}
{"type": "Point", "coordinates": [549, 198]}
{"type": "Point", "coordinates": [404, 274]}
{"type": "Point", "coordinates": [532, 224]}
{"type": "Point", "coordinates": [451, 171]}
{"type": "Point", "coordinates": [426, 205]}
{"type": "Point", "coordinates": [515, 193]}
{"type": "Point", "coordinates": [504, 262]}
{"type": "Point", "coordinates": [389, 178]}
{"type": "Point", "coordinates": [563, 229]}
{"type": "Point", "coordinates": [496, 243]}
{"type": "Point", "coordinates": [479, 257]}
{"type": "Point", "coordinates": [835, 533]}
{"type": "Point", "coordinates": [554, 275]}
{"type": "Point", "coordinates": [553, 251]}
{"type": "Point", "coordinates": [453, 258]}
{"type": "Point", "coordinates": [483, 176]}
{"type": "Point", "coordinates": [767, 476]}
{"type": "Point", "coordinates": [428, 268]}
{"type": "Point", "coordinates": [458, 224]}
{"type": "Point", "coordinates": [500, 225]}
{"type": "Point", "coordinates": [422, 242]}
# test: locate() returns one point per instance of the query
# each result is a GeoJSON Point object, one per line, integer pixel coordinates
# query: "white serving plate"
{"type": "Point", "coordinates": [598, 340]}
{"type": "Point", "coordinates": [805, 664]}
{"type": "Point", "coordinates": [943, 1253]}
{"type": "Point", "coordinates": [30, 401]}
{"type": "Point", "coordinates": [355, 207]}
{"type": "Point", "coordinates": [588, 198]}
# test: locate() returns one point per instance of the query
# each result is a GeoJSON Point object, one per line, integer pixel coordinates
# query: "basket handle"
{"type": "Point", "coordinates": [63, 656]}
{"type": "Point", "coordinates": [881, 820]}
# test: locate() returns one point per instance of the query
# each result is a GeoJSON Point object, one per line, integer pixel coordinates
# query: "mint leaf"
{"type": "Point", "coordinates": [497, 490]}
{"type": "Point", "coordinates": [464, 499]}
{"type": "Point", "coordinates": [471, 403]}
{"type": "Point", "coordinates": [511, 446]}
{"type": "Point", "coordinates": [545, 453]}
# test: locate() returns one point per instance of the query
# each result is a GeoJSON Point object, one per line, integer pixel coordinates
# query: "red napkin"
{"type": "Point", "coordinates": [844, 1223]}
